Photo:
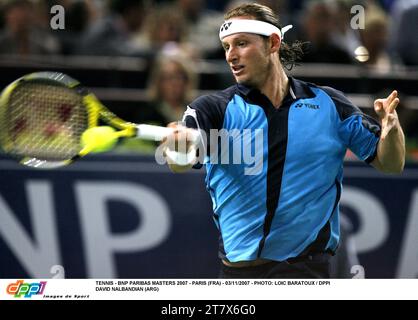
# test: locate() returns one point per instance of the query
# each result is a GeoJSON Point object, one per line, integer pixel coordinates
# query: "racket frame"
{"type": "Point", "coordinates": [96, 111]}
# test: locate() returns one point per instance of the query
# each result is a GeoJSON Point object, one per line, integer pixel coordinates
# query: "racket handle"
{"type": "Point", "coordinates": [149, 132]}
{"type": "Point", "coordinates": [157, 133]}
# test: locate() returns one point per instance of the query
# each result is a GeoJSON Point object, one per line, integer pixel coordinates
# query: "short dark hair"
{"type": "Point", "coordinates": [289, 54]}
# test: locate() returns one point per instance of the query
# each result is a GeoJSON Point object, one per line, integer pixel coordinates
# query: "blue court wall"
{"type": "Point", "coordinates": [114, 216]}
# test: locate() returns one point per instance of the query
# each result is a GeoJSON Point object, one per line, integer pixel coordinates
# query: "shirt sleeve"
{"type": "Point", "coordinates": [358, 131]}
{"type": "Point", "coordinates": [205, 114]}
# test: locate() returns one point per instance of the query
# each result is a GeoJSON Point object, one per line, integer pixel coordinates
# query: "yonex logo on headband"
{"type": "Point", "coordinates": [225, 26]}
{"type": "Point", "coordinates": [250, 26]}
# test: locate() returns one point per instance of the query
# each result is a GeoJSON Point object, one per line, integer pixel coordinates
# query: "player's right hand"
{"type": "Point", "coordinates": [181, 140]}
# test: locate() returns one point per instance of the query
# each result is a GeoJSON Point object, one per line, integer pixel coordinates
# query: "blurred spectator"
{"type": "Point", "coordinates": [280, 6]}
{"type": "Point", "coordinates": [22, 35]}
{"type": "Point", "coordinates": [171, 87]}
{"type": "Point", "coordinates": [113, 35]}
{"type": "Point", "coordinates": [165, 25]}
{"type": "Point", "coordinates": [398, 8]}
{"type": "Point", "coordinates": [406, 39]}
{"type": "Point", "coordinates": [343, 35]}
{"type": "Point", "coordinates": [218, 5]}
{"type": "Point", "coordinates": [387, 4]}
{"type": "Point", "coordinates": [375, 38]}
{"type": "Point", "coordinates": [203, 24]}
{"type": "Point", "coordinates": [78, 16]}
{"type": "Point", "coordinates": [165, 29]}
{"type": "Point", "coordinates": [318, 22]}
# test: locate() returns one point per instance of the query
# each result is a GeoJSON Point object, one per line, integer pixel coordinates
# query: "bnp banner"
{"type": "Point", "coordinates": [128, 217]}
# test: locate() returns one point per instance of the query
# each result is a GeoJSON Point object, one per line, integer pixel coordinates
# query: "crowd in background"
{"type": "Point", "coordinates": [182, 31]}
{"type": "Point", "coordinates": [144, 27]}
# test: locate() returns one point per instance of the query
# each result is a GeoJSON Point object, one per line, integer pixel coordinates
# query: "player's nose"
{"type": "Point", "coordinates": [231, 56]}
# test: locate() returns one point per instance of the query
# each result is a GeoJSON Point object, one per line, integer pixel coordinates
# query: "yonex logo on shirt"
{"type": "Point", "coordinates": [307, 105]}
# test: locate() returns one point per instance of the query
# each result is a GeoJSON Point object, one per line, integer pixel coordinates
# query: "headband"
{"type": "Point", "coordinates": [251, 26]}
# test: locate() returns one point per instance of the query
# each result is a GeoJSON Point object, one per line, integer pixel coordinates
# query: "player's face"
{"type": "Point", "coordinates": [248, 57]}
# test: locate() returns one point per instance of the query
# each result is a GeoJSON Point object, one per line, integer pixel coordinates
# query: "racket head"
{"type": "Point", "coordinates": [42, 117]}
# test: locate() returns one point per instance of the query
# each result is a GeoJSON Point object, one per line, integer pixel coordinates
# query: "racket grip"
{"type": "Point", "coordinates": [150, 132]}
{"type": "Point", "coordinates": [157, 133]}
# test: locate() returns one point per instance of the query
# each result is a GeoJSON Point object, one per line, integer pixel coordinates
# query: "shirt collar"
{"type": "Point", "coordinates": [301, 89]}
{"type": "Point", "coordinates": [298, 89]}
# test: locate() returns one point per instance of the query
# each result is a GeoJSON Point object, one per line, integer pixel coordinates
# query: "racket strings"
{"type": "Point", "coordinates": [45, 121]}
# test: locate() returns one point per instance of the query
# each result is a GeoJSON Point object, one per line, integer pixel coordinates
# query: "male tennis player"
{"type": "Point", "coordinates": [284, 221]}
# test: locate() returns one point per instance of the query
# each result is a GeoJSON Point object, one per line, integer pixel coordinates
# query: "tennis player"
{"type": "Point", "coordinates": [282, 222]}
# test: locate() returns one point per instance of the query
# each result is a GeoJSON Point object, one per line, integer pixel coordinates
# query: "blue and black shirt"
{"type": "Point", "coordinates": [291, 204]}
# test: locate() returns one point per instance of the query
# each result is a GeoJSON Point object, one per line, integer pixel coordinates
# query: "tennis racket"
{"type": "Point", "coordinates": [44, 114]}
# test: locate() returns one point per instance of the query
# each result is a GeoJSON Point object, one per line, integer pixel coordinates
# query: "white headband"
{"type": "Point", "coordinates": [251, 26]}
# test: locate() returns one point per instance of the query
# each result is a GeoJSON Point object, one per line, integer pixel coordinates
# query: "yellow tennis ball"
{"type": "Point", "coordinates": [101, 138]}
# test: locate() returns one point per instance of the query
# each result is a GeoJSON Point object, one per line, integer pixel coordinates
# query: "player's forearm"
{"type": "Point", "coordinates": [391, 151]}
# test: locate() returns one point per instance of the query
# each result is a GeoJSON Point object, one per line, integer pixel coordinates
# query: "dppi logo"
{"type": "Point", "coordinates": [26, 289]}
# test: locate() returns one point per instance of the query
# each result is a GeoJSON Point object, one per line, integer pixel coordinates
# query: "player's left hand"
{"type": "Point", "coordinates": [385, 109]}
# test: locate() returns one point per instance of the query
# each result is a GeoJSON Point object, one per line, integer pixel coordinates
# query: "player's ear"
{"type": "Point", "coordinates": [274, 43]}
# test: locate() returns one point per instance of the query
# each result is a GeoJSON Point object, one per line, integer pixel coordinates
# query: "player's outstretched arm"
{"type": "Point", "coordinates": [391, 149]}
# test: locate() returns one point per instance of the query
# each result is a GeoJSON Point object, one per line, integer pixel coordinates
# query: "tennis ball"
{"type": "Point", "coordinates": [101, 138]}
